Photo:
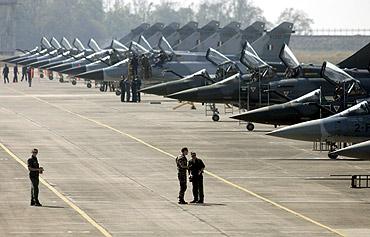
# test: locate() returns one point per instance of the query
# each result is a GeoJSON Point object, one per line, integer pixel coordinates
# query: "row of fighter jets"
{"type": "Point", "coordinates": [325, 103]}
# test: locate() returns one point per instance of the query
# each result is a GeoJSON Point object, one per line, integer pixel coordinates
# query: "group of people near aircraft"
{"type": "Point", "coordinates": [249, 68]}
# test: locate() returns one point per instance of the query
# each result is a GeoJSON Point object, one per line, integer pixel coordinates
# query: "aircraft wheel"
{"type": "Point", "coordinates": [74, 82]}
{"type": "Point", "coordinates": [250, 126]}
{"type": "Point", "coordinates": [51, 78]}
{"type": "Point", "coordinates": [333, 156]}
{"type": "Point", "coordinates": [88, 85]}
{"type": "Point", "coordinates": [41, 76]}
{"type": "Point", "coordinates": [61, 80]}
{"type": "Point", "coordinates": [101, 89]}
{"type": "Point", "coordinates": [215, 117]}
{"type": "Point", "coordinates": [118, 92]}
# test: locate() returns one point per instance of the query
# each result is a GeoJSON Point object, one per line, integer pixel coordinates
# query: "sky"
{"type": "Point", "coordinates": [326, 14]}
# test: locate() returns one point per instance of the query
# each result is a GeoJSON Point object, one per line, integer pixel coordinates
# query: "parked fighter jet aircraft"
{"type": "Point", "coordinates": [351, 125]}
{"type": "Point", "coordinates": [360, 150]}
{"type": "Point", "coordinates": [45, 48]}
{"type": "Point", "coordinates": [304, 108]}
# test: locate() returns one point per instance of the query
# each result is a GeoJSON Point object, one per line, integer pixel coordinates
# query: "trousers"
{"type": "Point", "coordinates": [34, 189]}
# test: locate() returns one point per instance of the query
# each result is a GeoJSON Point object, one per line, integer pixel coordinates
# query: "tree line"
{"type": "Point", "coordinates": [108, 19]}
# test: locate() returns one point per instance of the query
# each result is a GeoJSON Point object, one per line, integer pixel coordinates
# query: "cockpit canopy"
{"type": "Point", "coordinates": [288, 58]}
{"type": "Point", "coordinates": [250, 59]}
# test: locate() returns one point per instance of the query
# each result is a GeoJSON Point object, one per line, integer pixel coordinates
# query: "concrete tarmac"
{"type": "Point", "coordinates": [110, 171]}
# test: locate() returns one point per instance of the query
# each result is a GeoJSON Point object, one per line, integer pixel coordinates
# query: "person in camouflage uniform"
{"type": "Point", "coordinates": [182, 167]}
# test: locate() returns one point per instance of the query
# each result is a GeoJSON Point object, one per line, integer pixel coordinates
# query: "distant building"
{"type": "Point", "coordinates": [7, 27]}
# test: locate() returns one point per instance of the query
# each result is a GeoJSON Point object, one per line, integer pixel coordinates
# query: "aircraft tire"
{"type": "Point", "coordinates": [101, 89]}
{"type": "Point", "coordinates": [118, 92]}
{"type": "Point", "coordinates": [88, 85]}
{"type": "Point", "coordinates": [61, 80]}
{"type": "Point", "coordinates": [333, 156]}
{"type": "Point", "coordinates": [74, 82]}
{"type": "Point", "coordinates": [250, 126]}
{"type": "Point", "coordinates": [215, 117]}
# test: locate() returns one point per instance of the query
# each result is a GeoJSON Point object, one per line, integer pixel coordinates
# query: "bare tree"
{"type": "Point", "coordinates": [302, 23]}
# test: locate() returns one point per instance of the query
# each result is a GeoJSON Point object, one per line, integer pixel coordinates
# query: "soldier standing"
{"type": "Point", "coordinates": [6, 73]}
{"type": "Point", "coordinates": [24, 73]}
{"type": "Point", "coordinates": [15, 70]}
{"type": "Point", "coordinates": [138, 87]}
{"type": "Point", "coordinates": [134, 89]}
{"type": "Point", "coordinates": [127, 87]}
{"type": "Point", "coordinates": [122, 85]}
{"type": "Point", "coordinates": [196, 168]}
{"type": "Point", "coordinates": [29, 75]}
{"type": "Point", "coordinates": [35, 171]}
{"type": "Point", "coordinates": [182, 166]}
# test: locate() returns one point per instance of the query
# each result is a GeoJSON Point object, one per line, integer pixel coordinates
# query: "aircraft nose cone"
{"type": "Point", "coordinates": [27, 61]}
{"type": "Point", "coordinates": [97, 75]}
{"type": "Point", "coordinates": [186, 95]}
{"type": "Point", "coordinates": [61, 68]}
{"type": "Point", "coordinates": [75, 70]}
{"type": "Point", "coordinates": [256, 115]}
{"type": "Point", "coordinates": [155, 90]}
{"type": "Point", "coordinates": [38, 64]}
{"type": "Point", "coordinates": [307, 131]}
{"type": "Point", "coordinates": [49, 65]}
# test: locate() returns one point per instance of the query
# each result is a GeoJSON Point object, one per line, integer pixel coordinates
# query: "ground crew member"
{"type": "Point", "coordinates": [196, 168]}
{"type": "Point", "coordinates": [182, 167]}
{"type": "Point", "coordinates": [134, 90]}
{"type": "Point", "coordinates": [29, 75]}
{"type": "Point", "coordinates": [15, 70]}
{"type": "Point", "coordinates": [122, 85]}
{"type": "Point", "coordinates": [6, 73]}
{"type": "Point", "coordinates": [135, 64]}
{"type": "Point", "coordinates": [138, 87]}
{"type": "Point", "coordinates": [35, 171]}
{"type": "Point", "coordinates": [127, 87]}
{"type": "Point", "coordinates": [24, 73]}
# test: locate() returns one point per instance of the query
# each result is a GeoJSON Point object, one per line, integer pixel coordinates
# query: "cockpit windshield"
{"type": "Point", "coordinates": [288, 58]}
{"type": "Point", "coordinates": [216, 57]}
{"type": "Point", "coordinates": [334, 74]}
{"type": "Point", "coordinates": [313, 96]}
{"type": "Point", "coordinates": [165, 46]}
{"type": "Point", "coordinates": [137, 49]}
{"type": "Point", "coordinates": [362, 108]}
{"type": "Point", "coordinates": [251, 60]}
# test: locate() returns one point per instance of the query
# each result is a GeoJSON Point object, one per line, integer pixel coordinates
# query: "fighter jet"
{"type": "Point", "coordinates": [351, 125]}
{"type": "Point", "coordinates": [45, 48]}
{"type": "Point", "coordinates": [360, 150]}
{"type": "Point", "coordinates": [54, 51]}
{"type": "Point", "coordinates": [307, 107]}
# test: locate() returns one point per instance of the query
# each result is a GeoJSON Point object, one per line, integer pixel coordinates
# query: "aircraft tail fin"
{"type": "Point", "coordinates": [359, 60]}
{"type": "Point", "coordinates": [254, 31]}
{"type": "Point", "coordinates": [77, 43]}
{"type": "Point", "coordinates": [45, 44]}
{"type": "Point", "coordinates": [65, 43]}
{"type": "Point", "coordinates": [93, 45]}
{"type": "Point", "coordinates": [269, 45]}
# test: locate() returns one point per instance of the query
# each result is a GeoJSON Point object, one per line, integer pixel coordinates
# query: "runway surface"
{"type": "Point", "coordinates": [110, 171]}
